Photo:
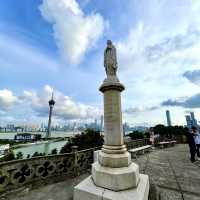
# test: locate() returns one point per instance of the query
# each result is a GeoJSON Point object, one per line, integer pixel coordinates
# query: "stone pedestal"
{"type": "Point", "coordinates": [87, 190]}
{"type": "Point", "coordinates": [115, 179]}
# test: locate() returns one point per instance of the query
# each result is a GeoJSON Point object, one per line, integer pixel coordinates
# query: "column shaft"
{"type": "Point", "coordinates": [113, 133]}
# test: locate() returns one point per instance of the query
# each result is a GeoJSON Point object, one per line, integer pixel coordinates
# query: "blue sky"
{"type": "Point", "coordinates": [50, 44]}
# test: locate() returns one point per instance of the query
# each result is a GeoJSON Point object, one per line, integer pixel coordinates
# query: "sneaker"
{"type": "Point", "coordinates": [198, 158]}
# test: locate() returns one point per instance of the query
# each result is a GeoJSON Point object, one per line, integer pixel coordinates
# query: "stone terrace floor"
{"type": "Point", "coordinates": [172, 177]}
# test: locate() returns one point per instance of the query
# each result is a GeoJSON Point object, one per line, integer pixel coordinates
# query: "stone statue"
{"type": "Point", "coordinates": [110, 59]}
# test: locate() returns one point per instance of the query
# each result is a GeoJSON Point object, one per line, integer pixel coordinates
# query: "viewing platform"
{"type": "Point", "coordinates": [172, 177]}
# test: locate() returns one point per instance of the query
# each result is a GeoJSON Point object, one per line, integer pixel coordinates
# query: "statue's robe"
{"type": "Point", "coordinates": [110, 61]}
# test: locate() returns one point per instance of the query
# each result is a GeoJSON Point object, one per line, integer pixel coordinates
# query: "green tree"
{"type": "Point", "coordinates": [169, 131]}
{"type": "Point", "coordinates": [54, 151]}
{"type": "Point", "coordinates": [160, 129]}
{"type": "Point", "coordinates": [66, 148]}
{"type": "Point", "coordinates": [87, 139]}
{"type": "Point", "coordinates": [36, 154]}
{"type": "Point", "coordinates": [19, 155]}
{"type": "Point", "coordinates": [135, 135]}
{"type": "Point", "coordinates": [8, 157]}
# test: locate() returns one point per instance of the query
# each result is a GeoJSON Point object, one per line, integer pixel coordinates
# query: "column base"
{"type": "Point", "coordinates": [114, 160]}
{"type": "Point", "coordinates": [115, 179]}
{"type": "Point", "coordinates": [87, 190]}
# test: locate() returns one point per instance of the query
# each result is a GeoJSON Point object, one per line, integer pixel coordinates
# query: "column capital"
{"type": "Point", "coordinates": [111, 83]}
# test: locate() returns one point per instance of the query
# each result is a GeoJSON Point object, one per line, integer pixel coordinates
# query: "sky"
{"type": "Point", "coordinates": [51, 45]}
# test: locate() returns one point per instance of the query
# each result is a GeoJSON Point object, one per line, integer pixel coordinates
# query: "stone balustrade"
{"type": "Point", "coordinates": [137, 143]}
{"type": "Point", "coordinates": [14, 174]}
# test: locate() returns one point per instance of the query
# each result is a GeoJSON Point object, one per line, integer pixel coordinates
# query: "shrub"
{"type": "Point", "coordinates": [19, 155]}
{"type": "Point", "coordinates": [8, 157]}
{"type": "Point", "coordinates": [54, 151]}
{"type": "Point", "coordinates": [36, 154]}
{"type": "Point", "coordinates": [169, 131]}
{"type": "Point", "coordinates": [85, 140]}
{"type": "Point", "coordinates": [136, 135]}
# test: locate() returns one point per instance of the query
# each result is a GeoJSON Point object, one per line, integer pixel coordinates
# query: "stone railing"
{"type": "Point", "coordinates": [20, 172]}
{"type": "Point", "coordinates": [14, 174]}
{"type": "Point", "coordinates": [137, 143]}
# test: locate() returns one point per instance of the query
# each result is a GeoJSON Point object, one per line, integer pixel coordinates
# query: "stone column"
{"type": "Point", "coordinates": [114, 169]}
{"type": "Point", "coordinates": [112, 114]}
{"type": "Point", "coordinates": [113, 130]}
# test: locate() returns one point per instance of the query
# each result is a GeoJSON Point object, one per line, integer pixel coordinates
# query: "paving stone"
{"type": "Point", "coordinates": [58, 191]}
{"type": "Point", "coordinates": [191, 197]}
{"type": "Point", "coordinates": [187, 172]}
{"type": "Point", "coordinates": [166, 194]}
{"type": "Point", "coordinates": [169, 182]}
{"type": "Point", "coordinates": [157, 170]}
{"type": "Point", "coordinates": [190, 184]}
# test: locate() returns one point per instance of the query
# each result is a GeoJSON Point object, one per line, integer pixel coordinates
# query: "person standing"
{"type": "Point", "coordinates": [197, 141]}
{"type": "Point", "coordinates": [191, 143]}
{"type": "Point", "coordinates": [151, 133]}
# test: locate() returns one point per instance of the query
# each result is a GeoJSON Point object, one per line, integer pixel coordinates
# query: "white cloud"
{"type": "Point", "coordinates": [193, 76]}
{"type": "Point", "coordinates": [48, 89]}
{"type": "Point", "coordinates": [32, 106]}
{"type": "Point", "coordinates": [7, 99]}
{"type": "Point", "coordinates": [168, 33]}
{"type": "Point", "coordinates": [75, 32]}
{"type": "Point", "coordinates": [65, 107]}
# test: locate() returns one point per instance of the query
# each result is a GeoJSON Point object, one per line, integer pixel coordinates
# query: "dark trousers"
{"type": "Point", "coordinates": [192, 152]}
{"type": "Point", "coordinates": [197, 150]}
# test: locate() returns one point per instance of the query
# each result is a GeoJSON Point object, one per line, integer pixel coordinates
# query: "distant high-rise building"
{"type": "Point", "coordinates": [188, 121]}
{"type": "Point", "coordinates": [75, 127]}
{"type": "Point", "coordinates": [193, 120]}
{"type": "Point", "coordinates": [10, 127]}
{"type": "Point", "coordinates": [51, 105]}
{"type": "Point", "coordinates": [125, 128]}
{"type": "Point", "coordinates": [95, 125]}
{"type": "Point", "coordinates": [169, 123]}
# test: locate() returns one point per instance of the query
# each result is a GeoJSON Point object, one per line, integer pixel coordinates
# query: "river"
{"type": "Point", "coordinates": [55, 134]}
{"type": "Point", "coordinates": [40, 148]}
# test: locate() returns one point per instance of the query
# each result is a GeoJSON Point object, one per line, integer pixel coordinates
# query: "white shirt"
{"type": "Point", "coordinates": [197, 138]}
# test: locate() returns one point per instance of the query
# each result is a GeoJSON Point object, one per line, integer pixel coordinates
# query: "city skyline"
{"type": "Point", "coordinates": [41, 51]}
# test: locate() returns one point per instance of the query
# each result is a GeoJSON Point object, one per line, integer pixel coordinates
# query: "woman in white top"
{"type": "Point", "coordinates": [197, 142]}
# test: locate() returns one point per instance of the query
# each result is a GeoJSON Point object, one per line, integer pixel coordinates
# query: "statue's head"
{"type": "Point", "coordinates": [109, 43]}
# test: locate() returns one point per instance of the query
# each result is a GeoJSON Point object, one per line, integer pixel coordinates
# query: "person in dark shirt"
{"type": "Point", "coordinates": [191, 143]}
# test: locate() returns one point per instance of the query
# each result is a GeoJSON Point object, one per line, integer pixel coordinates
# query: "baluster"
{"type": "Point", "coordinates": [75, 152]}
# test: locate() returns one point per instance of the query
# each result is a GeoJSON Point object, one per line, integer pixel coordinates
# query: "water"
{"type": "Point", "coordinates": [7, 136]}
{"type": "Point", "coordinates": [53, 134]}
{"type": "Point", "coordinates": [40, 148]}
